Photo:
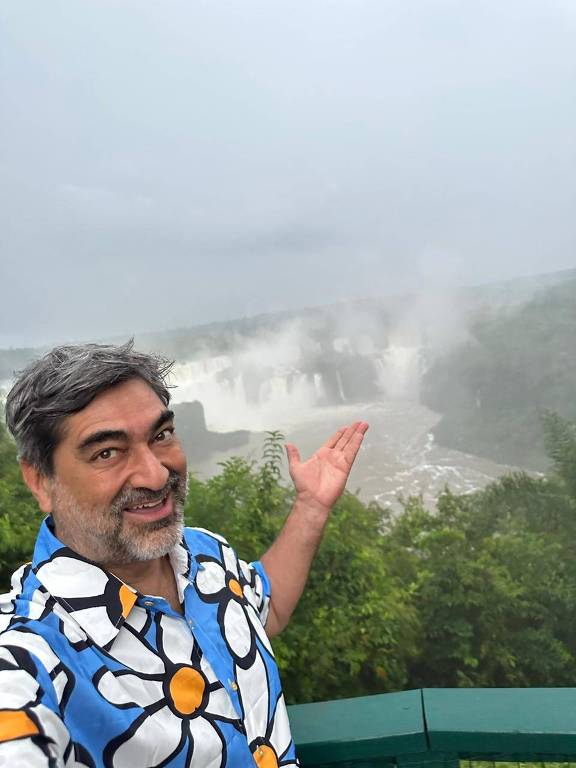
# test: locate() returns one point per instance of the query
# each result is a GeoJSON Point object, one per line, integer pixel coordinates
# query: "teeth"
{"type": "Point", "coordinates": [150, 505]}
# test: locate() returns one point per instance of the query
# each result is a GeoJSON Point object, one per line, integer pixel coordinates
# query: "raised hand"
{"type": "Point", "coordinates": [322, 478]}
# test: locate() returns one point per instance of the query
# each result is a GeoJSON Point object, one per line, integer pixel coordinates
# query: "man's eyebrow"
{"type": "Point", "coordinates": [104, 435]}
{"type": "Point", "coordinates": [165, 416]}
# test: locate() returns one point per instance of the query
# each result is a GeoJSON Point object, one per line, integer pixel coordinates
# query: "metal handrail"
{"type": "Point", "coordinates": [431, 726]}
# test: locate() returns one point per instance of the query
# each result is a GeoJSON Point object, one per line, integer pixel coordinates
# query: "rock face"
{"type": "Point", "coordinates": [199, 443]}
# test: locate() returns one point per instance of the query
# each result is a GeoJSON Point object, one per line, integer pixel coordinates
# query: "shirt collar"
{"type": "Point", "coordinates": [98, 600]}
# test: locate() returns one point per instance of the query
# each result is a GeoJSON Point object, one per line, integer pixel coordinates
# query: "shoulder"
{"type": "Point", "coordinates": [10, 606]}
{"type": "Point", "coordinates": [217, 558]}
{"type": "Point", "coordinates": [202, 541]}
{"type": "Point", "coordinates": [30, 620]}
{"type": "Point", "coordinates": [23, 614]}
{"type": "Point", "coordinates": [206, 545]}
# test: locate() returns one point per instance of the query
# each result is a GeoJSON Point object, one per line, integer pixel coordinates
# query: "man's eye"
{"type": "Point", "coordinates": [165, 435]}
{"type": "Point", "coordinates": [107, 454]}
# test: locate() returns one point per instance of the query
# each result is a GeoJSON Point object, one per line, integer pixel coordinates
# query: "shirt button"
{"type": "Point", "coordinates": [233, 685]}
{"type": "Point", "coordinates": [190, 623]}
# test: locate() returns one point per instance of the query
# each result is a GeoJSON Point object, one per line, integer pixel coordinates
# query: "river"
{"type": "Point", "coordinates": [399, 456]}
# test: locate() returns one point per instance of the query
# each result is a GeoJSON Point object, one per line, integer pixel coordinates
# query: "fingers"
{"type": "Point", "coordinates": [353, 445]}
{"type": "Point", "coordinates": [345, 436]}
{"type": "Point", "coordinates": [345, 439]}
{"type": "Point", "coordinates": [292, 453]}
{"type": "Point", "coordinates": [349, 433]}
{"type": "Point", "coordinates": [331, 442]}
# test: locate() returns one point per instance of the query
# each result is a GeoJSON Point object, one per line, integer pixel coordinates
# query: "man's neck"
{"type": "Point", "coordinates": [150, 577]}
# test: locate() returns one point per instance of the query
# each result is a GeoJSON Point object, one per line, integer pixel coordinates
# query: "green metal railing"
{"type": "Point", "coordinates": [438, 727]}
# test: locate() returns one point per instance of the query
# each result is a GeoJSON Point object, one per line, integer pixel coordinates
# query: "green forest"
{"type": "Point", "coordinates": [480, 591]}
{"type": "Point", "coordinates": [517, 363]}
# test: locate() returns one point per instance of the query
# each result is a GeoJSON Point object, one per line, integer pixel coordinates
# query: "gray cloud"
{"type": "Point", "coordinates": [171, 163]}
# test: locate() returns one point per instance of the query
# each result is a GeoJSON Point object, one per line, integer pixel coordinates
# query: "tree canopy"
{"type": "Point", "coordinates": [493, 390]}
{"type": "Point", "coordinates": [480, 591]}
{"type": "Point", "coordinates": [19, 515]}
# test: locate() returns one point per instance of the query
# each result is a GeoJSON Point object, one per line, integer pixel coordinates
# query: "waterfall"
{"type": "Point", "coordinates": [399, 371]}
{"type": "Point", "coordinates": [274, 384]}
{"type": "Point", "coordinates": [246, 397]}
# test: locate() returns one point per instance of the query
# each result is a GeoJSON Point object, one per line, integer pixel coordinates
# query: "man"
{"type": "Point", "coordinates": [130, 640]}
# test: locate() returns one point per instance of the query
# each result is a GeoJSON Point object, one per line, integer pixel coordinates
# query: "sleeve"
{"type": "Point", "coordinates": [32, 735]}
{"type": "Point", "coordinates": [258, 591]}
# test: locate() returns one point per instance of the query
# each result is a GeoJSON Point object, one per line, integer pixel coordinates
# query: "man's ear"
{"type": "Point", "coordinates": [40, 485]}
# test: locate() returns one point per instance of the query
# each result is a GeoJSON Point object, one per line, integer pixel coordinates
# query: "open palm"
{"type": "Point", "coordinates": [322, 478]}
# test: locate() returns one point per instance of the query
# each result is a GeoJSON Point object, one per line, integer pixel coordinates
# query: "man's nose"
{"type": "Point", "coordinates": [147, 471]}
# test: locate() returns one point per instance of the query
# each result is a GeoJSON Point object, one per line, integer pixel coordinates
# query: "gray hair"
{"type": "Point", "coordinates": [64, 381]}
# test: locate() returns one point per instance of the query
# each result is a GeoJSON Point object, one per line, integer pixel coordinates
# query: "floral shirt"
{"type": "Point", "coordinates": [92, 673]}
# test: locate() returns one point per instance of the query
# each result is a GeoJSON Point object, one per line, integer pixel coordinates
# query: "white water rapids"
{"type": "Point", "coordinates": [399, 456]}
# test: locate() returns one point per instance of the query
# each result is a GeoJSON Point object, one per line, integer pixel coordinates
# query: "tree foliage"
{"type": "Point", "coordinates": [480, 591]}
{"type": "Point", "coordinates": [493, 586]}
{"type": "Point", "coordinates": [354, 629]}
{"type": "Point", "coordinates": [493, 390]}
{"type": "Point", "coordinates": [19, 516]}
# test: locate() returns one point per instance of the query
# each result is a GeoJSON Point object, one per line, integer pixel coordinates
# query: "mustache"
{"type": "Point", "coordinates": [132, 497]}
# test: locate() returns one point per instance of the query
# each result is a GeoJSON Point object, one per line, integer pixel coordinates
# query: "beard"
{"type": "Point", "coordinates": [105, 534]}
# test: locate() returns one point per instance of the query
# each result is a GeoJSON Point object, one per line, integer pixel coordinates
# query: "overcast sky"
{"type": "Point", "coordinates": [166, 162]}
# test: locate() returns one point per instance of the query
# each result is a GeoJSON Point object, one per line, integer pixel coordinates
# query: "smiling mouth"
{"type": "Point", "coordinates": [147, 505]}
{"type": "Point", "coordinates": [152, 510]}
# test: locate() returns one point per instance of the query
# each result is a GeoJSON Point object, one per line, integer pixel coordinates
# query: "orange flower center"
{"type": "Point", "coordinates": [265, 757]}
{"type": "Point", "coordinates": [15, 724]}
{"type": "Point", "coordinates": [235, 588]}
{"type": "Point", "coordinates": [187, 690]}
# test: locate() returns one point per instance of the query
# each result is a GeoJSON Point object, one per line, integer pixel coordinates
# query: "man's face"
{"type": "Point", "coordinates": [119, 484]}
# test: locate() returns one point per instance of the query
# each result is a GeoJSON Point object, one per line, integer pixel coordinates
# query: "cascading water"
{"type": "Point", "coordinates": [247, 398]}
{"type": "Point", "coordinates": [246, 391]}
{"type": "Point", "coordinates": [400, 370]}
{"type": "Point", "coordinates": [307, 391]}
